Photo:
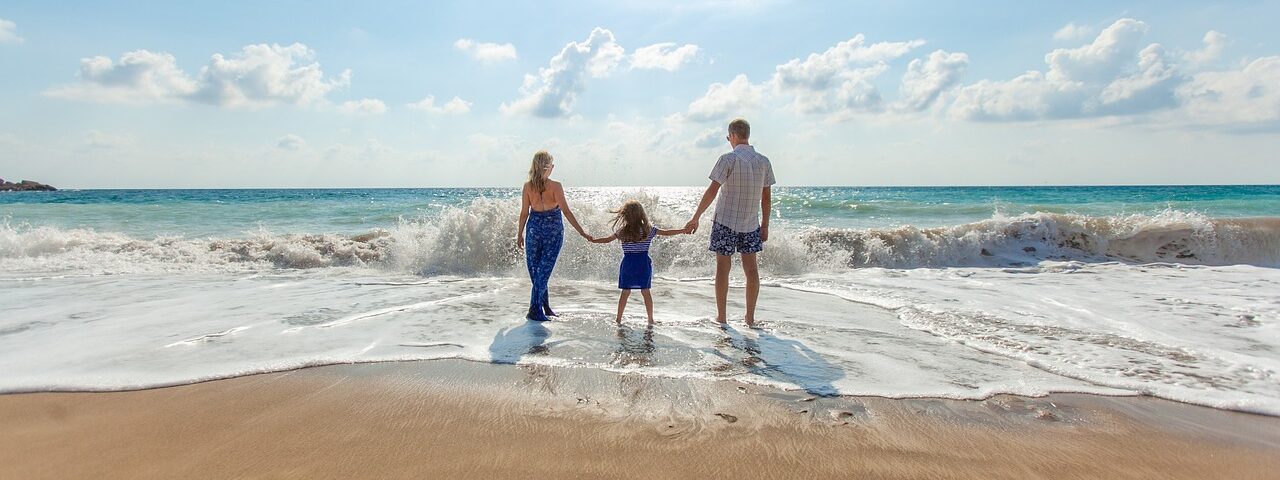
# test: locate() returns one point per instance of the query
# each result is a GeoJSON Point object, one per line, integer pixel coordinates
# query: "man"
{"type": "Point", "coordinates": [742, 178]}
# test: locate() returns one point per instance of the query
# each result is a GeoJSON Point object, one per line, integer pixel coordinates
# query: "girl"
{"type": "Point", "coordinates": [631, 227]}
{"type": "Point", "coordinates": [540, 205]}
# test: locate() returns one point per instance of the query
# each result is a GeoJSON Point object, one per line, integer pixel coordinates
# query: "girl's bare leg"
{"type": "Point", "coordinates": [648, 303]}
{"type": "Point", "coordinates": [622, 304]}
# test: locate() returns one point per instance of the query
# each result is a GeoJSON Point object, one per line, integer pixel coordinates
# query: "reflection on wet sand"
{"type": "Point", "coordinates": [635, 347]}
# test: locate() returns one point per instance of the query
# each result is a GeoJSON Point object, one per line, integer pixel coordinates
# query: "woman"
{"type": "Point", "coordinates": [540, 205]}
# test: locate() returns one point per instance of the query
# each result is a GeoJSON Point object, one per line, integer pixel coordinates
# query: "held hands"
{"type": "Point", "coordinates": [692, 226]}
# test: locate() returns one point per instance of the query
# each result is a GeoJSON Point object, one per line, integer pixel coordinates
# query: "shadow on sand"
{"type": "Point", "coordinates": [511, 344]}
{"type": "Point", "coordinates": [780, 359]}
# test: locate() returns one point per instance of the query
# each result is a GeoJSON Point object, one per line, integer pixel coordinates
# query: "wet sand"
{"type": "Point", "coordinates": [453, 419]}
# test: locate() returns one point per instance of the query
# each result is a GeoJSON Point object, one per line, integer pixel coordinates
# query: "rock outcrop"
{"type": "Point", "coordinates": [24, 186]}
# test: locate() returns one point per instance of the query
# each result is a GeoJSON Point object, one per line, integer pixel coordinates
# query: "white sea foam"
{"type": "Point", "coordinates": [1204, 335]}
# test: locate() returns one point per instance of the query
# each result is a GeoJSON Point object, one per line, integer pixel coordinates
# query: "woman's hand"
{"type": "Point", "coordinates": [587, 236]}
{"type": "Point", "coordinates": [520, 242]}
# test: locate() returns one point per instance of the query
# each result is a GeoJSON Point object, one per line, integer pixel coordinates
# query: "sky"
{"type": "Point", "coordinates": [295, 94]}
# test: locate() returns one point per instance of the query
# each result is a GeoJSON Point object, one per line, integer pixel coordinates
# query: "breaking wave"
{"type": "Point", "coordinates": [478, 240]}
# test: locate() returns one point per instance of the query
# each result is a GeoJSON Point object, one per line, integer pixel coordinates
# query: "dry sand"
{"type": "Point", "coordinates": [452, 419]}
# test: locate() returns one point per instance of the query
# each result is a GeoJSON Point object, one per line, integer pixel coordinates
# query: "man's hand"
{"type": "Point", "coordinates": [764, 233]}
{"type": "Point", "coordinates": [520, 242]}
{"type": "Point", "coordinates": [691, 226]}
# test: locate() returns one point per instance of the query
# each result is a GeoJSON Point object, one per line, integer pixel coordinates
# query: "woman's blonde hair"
{"type": "Point", "coordinates": [631, 223]}
{"type": "Point", "coordinates": [538, 171]}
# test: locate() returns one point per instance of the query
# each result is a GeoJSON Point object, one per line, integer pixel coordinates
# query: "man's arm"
{"type": "Point", "coordinates": [707, 197]}
{"type": "Point", "coordinates": [765, 203]}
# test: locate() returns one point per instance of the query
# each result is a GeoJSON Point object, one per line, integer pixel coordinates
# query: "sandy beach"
{"type": "Point", "coordinates": [451, 419]}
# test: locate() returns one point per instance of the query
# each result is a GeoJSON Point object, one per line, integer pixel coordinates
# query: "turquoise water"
{"type": "Point", "coordinates": [146, 213]}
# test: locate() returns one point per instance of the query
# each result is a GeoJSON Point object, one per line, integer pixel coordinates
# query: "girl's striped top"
{"type": "Point", "coordinates": [641, 246]}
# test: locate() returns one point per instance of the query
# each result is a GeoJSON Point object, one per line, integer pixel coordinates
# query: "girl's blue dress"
{"type": "Point", "coordinates": [636, 270]}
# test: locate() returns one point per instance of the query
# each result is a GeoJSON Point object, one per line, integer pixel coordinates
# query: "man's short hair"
{"type": "Point", "coordinates": [740, 128]}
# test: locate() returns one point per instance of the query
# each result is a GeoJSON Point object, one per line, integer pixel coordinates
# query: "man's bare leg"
{"type": "Point", "coordinates": [752, 272]}
{"type": "Point", "coordinates": [723, 264]}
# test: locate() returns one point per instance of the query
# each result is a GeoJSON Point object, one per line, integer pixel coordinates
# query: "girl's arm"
{"type": "Point", "coordinates": [568, 213]}
{"type": "Point", "coordinates": [607, 239]}
{"type": "Point", "coordinates": [524, 216]}
{"type": "Point", "coordinates": [668, 233]}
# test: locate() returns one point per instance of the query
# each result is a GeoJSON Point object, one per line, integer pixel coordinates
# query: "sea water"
{"type": "Point", "coordinates": [958, 292]}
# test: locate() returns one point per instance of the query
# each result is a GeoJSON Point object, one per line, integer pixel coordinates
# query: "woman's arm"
{"type": "Point", "coordinates": [524, 216]}
{"type": "Point", "coordinates": [568, 213]}
{"type": "Point", "coordinates": [607, 239]}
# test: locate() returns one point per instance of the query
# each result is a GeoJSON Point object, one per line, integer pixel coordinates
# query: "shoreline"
{"type": "Point", "coordinates": [782, 391]}
{"type": "Point", "coordinates": [462, 418]}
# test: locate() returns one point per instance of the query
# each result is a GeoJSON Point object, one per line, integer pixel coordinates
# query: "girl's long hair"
{"type": "Point", "coordinates": [538, 171]}
{"type": "Point", "coordinates": [631, 223]}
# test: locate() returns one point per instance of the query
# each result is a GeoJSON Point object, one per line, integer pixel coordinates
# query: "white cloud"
{"type": "Point", "coordinates": [926, 79]}
{"type": "Point", "coordinates": [554, 90]}
{"type": "Point", "coordinates": [97, 140]}
{"type": "Point", "coordinates": [260, 75]}
{"type": "Point", "coordinates": [370, 151]}
{"type": "Point", "coordinates": [291, 142]}
{"type": "Point", "coordinates": [1072, 32]}
{"type": "Point", "coordinates": [140, 76]}
{"type": "Point", "coordinates": [723, 101]}
{"type": "Point", "coordinates": [457, 106]}
{"type": "Point", "coordinates": [1214, 43]}
{"type": "Point", "coordinates": [1247, 96]}
{"type": "Point", "coordinates": [488, 53]}
{"type": "Point", "coordinates": [1101, 60]}
{"type": "Point", "coordinates": [1150, 88]}
{"type": "Point", "coordinates": [1109, 76]}
{"type": "Point", "coordinates": [840, 77]}
{"type": "Point", "coordinates": [9, 32]}
{"type": "Point", "coordinates": [666, 56]}
{"type": "Point", "coordinates": [11, 140]}
{"type": "Point", "coordinates": [264, 75]}
{"type": "Point", "coordinates": [712, 138]}
{"type": "Point", "coordinates": [363, 107]}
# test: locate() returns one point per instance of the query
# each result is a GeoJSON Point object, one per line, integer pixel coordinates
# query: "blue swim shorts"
{"type": "Point", "coordinates": [726, 241]}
